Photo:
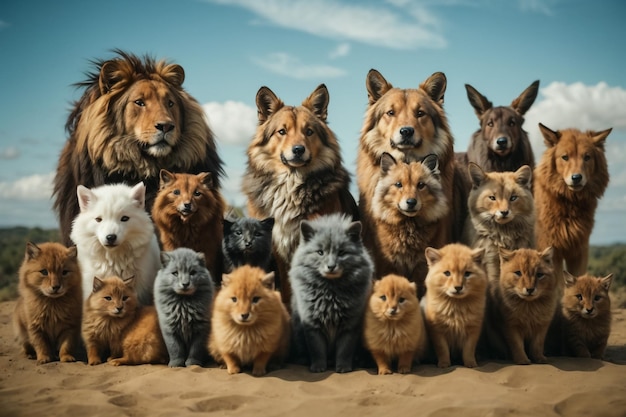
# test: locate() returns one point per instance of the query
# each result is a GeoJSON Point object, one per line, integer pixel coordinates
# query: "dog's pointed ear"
{"type": "Point", "coordinates": [267, 103]}
{"type": "Point", "coordinates": [268, 223]}
{"type": "Point", "coordinates": [431, 162]}
{"type": "Point", "coordinates": [226, 278]}
{"type": "Point", "coordinates": [85, 197]}
{"type": "Point", "coordinates": [432, 256]}
{"type": "Point", "coordinates": [524, 176]}
{"type": "Point", "coordinates": [435, 87]}
{"type": "Point", "coordinates": [201, 258]}
{"type": "Point", "coordinates": [547, 255]}
{"type": "Point", "coordinates": [376, 86]}
{"type": "Point", "coordinates": [32, 251]}
{"type": "Point", "coordinates": [72, 251]}
{"type": "Point", "coordinates": [138, 194]}
{"type": "Point", "coordinates": [522, 103]}
{"type": "Point", "coordinates": [550, 137]}
{"type": "Point", "coordinates": [268, 281]}
{"type": "Point", "coordinates": [477, 100]}
{"type": "Point", "coordinates": [387, 161]}
{"type": "Point", "coordinates": [317, 102]}
{"type": "Point", "coordinates": [599, 138]}
{"type": "Point", "coordinates": [165, 258]}
{"type": "Point", "coordinates": [206, 178]}
{"type": "Point", "coordinates": [165, 177]}
{"type": "Point", "coordinates": [476, 173]}
{"type": "Point", "coordinates": [173, 74]}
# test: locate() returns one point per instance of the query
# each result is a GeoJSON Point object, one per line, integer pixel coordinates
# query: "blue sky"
{"type": "Point", "coordinates": [229, 49]}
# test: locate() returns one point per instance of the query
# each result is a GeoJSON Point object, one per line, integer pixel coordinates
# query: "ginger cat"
{"type": "Point", "coordinates": [115, 323]}
{"type": "Point", "coordinates": [522, 305]}
{"type": "Point", "coordinates": [393, 326]}
{"type": "Point", "coordinates": [48, 311]}
{"type": "Point", "coordinates": [454, 305]}
{"type": "Point", "coordinates": [250, 324]}
{"type": "Point", "coordinates": [586, 312]}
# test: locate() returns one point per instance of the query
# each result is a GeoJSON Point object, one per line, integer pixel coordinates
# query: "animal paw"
{"type": "Point", "coordinates": [68, 358]}
{"type": "Point", "coordinates": [317, 368]}
{"type": "Point", "coordinates": [386, 371]}
{"type": "Point", "coordinates": [43, 359]}
{"type": "Point", "coordinates": [470, 364]}
{"type": "Point", "coordinates": [93, 362]}
{"type": "Point", "coordinates": [193, 361]}
{"type": "Point", "coordinates": [114, 362]}
{"type": "Point", "coordinates": [443, 364]}
{"type": "Point", "coordinates": [258, 371]}
{"type": "Point", "coordinates": [233, 369]}
{"type": "Point", "coordinates": [343, 369]}
{"type": "Point", "coordinates": [522, 361]}
{"type": "Point", "coordinates": [404, 370]}
{"type": "Point", "coordinates": [176, 363]}
{"type": "Point", "coordinates": [540, 359]}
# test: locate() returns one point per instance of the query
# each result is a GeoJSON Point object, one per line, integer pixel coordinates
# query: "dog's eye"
{"type": "Point", "coordinates": [108, 298]}
{"type": "Point", "coordinates": [238, 232]}
{"type": "Point", "coordinates": [565, 157]}
{"type": "Point", "coordinates": [176, 192]}
{"type": "Point", "coordinates": [398, 184]}
{"type": "Point", "coordinates": [421, 185]}
{"type": "Point", "coordinates": [586, 157]}
{"type": "Point", "coordinates": [234, 299]}
{"type": "Point", "coordinates": [125, 298]}
{"type": "Point", "coordinates": [391, 113]}
{"type": "Point", "coordinates": [140, 103]}
{"type": "Point", "coordinates": [170, 103]}
{"type": "Point", "coordinates": [65, 272]}
{"type": "Point", "coordinates": [98, 219]}
{"type": "Point", "coordinates": [282, 132]}
{"type": "Point", "coordinates": [420, 113]}
{"type": "Point", "coordinates": [447, 273]}
{"type": "Point", "coordinates": [175, 273]}
{"type": "Point", "coordinates": [320, 252]}
{"type": "Point", "coordinates": [125, 218]}
{"type": "Point", "coordinates": [579, 296]}
{"type": "Point", "coordinates": [511, 122]}
{"type": "Point", "coordinates": [540, 275]}
{"type": "Point", "coordinates": [492, 197]}
{"type": "Point", "coordinates": [197, 193]}
{"type": "Point", "coordinates": [597, 298]}
{"type": "Point", "coordinates": [401, 300]}
{"type": "Point", "coordinates": [255, 300]}
{"type": "Point", "coordinates": [44, 272]}
{"type": "Point", "coordinates": [467, 274]}
{"type": "Point", "coordinates": [490, 123]}
{"type": "Point", "coordinates": [513, 198]}
{"type": "Point", "coordinates": [383, 297]}
{"type": "Point", "coordinates": [518, 273]}
{"type": "Point", "coordinates": [308, 132]}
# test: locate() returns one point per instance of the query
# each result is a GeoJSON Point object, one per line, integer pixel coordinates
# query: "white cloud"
{"type": "Point", "coordinates": [341, 50]}
{"type": "Point", "coordinates": [34, 187]}
{"type": "Point", "coordinates": [290, 66]}
{"type": "Point", "coordinates": [232, 122]}
{"type": "Point", "coordinates": [9, 153]}
{"type": "Point", "coordinates": [408, 26]}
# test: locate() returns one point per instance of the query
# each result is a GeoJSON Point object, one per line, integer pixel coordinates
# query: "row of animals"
{"type": "Point", "coordinates": [336, 306]}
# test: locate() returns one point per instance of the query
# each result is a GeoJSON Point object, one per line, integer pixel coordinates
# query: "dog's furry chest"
{"type": "Point", "coordinates": [404, 244]}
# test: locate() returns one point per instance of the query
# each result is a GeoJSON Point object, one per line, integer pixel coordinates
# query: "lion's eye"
{"type": "Point", "coordinates": [513, 198]}
{"type": "Point", "coordinates": [44, 272]}
{"type": "Point", "coordinates": [308, 132]}
{"type": "Point", "coordinates": [125, 218]}
{"type": "Point", "coordinates": [140, 103]}
{"type": "Point", "coordinates": [282, 132]}
{"type": "Point", "coordinates": [420, 113]}
{"type": "Point", "coordinates": [490, 123]}
{"type": "Point", "coordinates": [176, 192]}
{"type": "Point", "coordinates": [383, 297]}
{"type": "Point", "coordinates": [492, 197]}
{"type": "Point", "coordinates": [421, 185]}
{"type": "Point", "coordinates": [565, 157]}
{"type": "Point", "coordinates": [398, 184]}
{"type": "Point", "coordinates": [98, 219]}
{"type": "Point", "coordinates": [391, 113]}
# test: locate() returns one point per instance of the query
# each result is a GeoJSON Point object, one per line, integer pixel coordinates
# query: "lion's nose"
{"type": "Point", "coordinates": [164, 127]}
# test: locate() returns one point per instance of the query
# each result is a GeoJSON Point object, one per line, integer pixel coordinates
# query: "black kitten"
{"type": "Point", "coordinates": [247, 241]}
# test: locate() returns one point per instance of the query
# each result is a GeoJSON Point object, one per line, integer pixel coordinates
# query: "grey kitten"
{"type": "Point", "coordinates": [331, 278]}
{"type": "Point", "coordinates": [183, 296]}
{"type": "Point", "coordinates": [247, 241]}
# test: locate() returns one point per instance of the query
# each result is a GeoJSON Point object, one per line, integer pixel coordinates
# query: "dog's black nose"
{"type": "Point", "coordinates": [406, 132]}
{"type": "Point", "coordinates": [501, 142]}
{"type": "Point", "coordinates": [458, 288]}
{"type": "Point", "coordinates": [111, 238]}
{"type": "Point", "coordinates": [164, 127]}
{"type": "Point", "coordinates": [187, 206]}
{"type": "Point", "coordinates": [504, 213]}
{"type": "Point", "coordinates": [411, 202]}
{"type": "Point", "coordinates": [530, 291]}
{"type": "Point", "coordinates": [298, 150]}
{"type": "Point", "coordinates": [577, 178]}
{"type": "Point", "coordinates": [56, 287]}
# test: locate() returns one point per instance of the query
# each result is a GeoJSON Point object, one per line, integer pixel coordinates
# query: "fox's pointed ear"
{"type": "Point", "coordinates": [201, 258]}
{"type": "Point", "coordinates": [85, 197]}
{"type": "Point", "coordinates": [376, 86]}
{"type": "Point", "coordinates": [268, 281]}
{"type": "Point", "coordinates": [435, 87]}
{"type": "Point", "coordinates": [477, 100]}
{"type": "Point", "coordinates": [32, 251]}
{"type": "Point", "coordinates": [138, 194]}
{"type": "Point", "coordinates": [599, 138]}
{"type": "Point", "coordinates": [569, 279]}
{"type": "Point", "coordinates": [165, 177]}
{"type": "Point", "coordinates": [267, 103]}
{"type": "Point", "coordinates": [72, 251]}
{"type": "Point", "coordinates": [165, 258]}
{"type": "Point", "coordinates": [476, 174]}
{"type": "Point", "coordinates": [524, 176]}
{"type": "Point", "coordinates": [606, 281]}
{"type": "Point", "coordinates": [550, 137]}
{"type": "Point", "coordinates": [387, 161]}
{"type": "Point", "coordinates": [267, 223]}
{"type": "Point", "coordinates": [206, 178]}
{"type": "Point", "coordinates": [432, 256]}
{"type": "Point", "coordinates": [547, 254]}
{"type": "Point", "coordinates": [522, 103]}
{"type": "Point", "coordinates": [431, 161]}
{"type": "Point", "coordinates": [318, 101]}
{"type": "Point", "coordinates": [226, 278]}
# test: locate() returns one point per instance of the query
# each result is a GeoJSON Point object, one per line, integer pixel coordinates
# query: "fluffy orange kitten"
{"type": "Point", "coordinates": [393, 326]}
{"type": "Point", "coordinates": [454, 305]}
{"type": "Point", "coordinates": [116, 324]}
{"type": "Point", "coordinates": [250, 324]}
{"type": "Point", "coordinates": [48, 311]}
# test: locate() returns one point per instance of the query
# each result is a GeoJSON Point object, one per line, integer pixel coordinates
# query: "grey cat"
{"type": "Point", "coordinates": [247, 241]}
{"type": "Point", "coordinates": [183, 297]}
{"type": "Point", "coordinates": [331, 278]}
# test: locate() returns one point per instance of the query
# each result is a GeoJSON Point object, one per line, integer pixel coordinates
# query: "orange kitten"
{"type": "Point", "coordinates": [454, 305]}
{"type": "Point", "coordinates": [250, 324]}
{"type": "Point", "coordinates": [393, 326]}
{"type": "Point", "coordinates": [48, 311]}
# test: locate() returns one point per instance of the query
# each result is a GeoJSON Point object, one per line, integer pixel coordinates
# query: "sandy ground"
{"type": "Point", "coordinates": [563, 387]}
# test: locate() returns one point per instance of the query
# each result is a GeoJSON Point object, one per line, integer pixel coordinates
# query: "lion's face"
{"type": "Point", "coordinates": [152, 115]}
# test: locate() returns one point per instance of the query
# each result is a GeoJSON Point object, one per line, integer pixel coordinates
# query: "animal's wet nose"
{"type": "Point", "coordinates": [501, 142]}
{"type": "Point", "coordinates": [406, 131]}
{"type": "Point", "coordinates": [111, 238]}
{"type": "Point", "coordinates": [577, 178]}
{"type": "Point", "coordinates": [298, 150]}
{"type": "Point", "coordinates": [411, 202]}
{"type": "Point", "coordinates": [164, 127]}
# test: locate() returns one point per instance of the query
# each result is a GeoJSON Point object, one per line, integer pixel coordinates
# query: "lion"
{"type": "Point", "coordinates": [133, 119]}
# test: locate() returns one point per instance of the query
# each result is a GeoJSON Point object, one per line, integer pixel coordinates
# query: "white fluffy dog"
{"type": "Point", "coordinates": [115, 236]}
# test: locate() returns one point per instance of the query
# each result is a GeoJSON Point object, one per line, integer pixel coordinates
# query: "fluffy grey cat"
{"type": "Point", "coordinates": [183, 296]}
{"type": "Point", "coordinates": [331, 277]}
{"type": "Point", "coordinates": [247, 241]}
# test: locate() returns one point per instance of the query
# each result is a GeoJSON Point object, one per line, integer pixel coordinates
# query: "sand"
{"type": "Point", "coordinates": [563, 387]}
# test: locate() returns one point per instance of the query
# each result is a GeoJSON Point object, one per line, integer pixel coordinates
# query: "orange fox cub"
{"type": "Point", "coordinates": [393, 326]}
{"type": "Point", "coordinates": [454, 305]}
{"type": "Point", "coordinates": [586, 310]}
{"type": "Point", "coordinates": [188, 212]}
{"type": "Point", "coordinates": [502, 213]}
{"type": "Point", "coordinates": [524, 303]}
{"type": "Point", "coordinates": [115, 324]}
{"type": "Point", "coordinates": [48, 311]}
{"type": "Point", "coordinates": [250, 324]}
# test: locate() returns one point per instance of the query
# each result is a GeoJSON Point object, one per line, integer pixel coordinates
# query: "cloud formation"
{"type": "Point", "coordinates": [407, 26]}
{"type": "Point", "coordinates": [34, 187]}
{"type": "Point", "coordinates": [341, 50]}
{"type": "Point", "coordinates": [232, 122]}
{"type": "Point", "coordinates": [289, 66]}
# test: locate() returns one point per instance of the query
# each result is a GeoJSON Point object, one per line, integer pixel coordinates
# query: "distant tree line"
{"type": "Point", "coordinates": [602, 259]}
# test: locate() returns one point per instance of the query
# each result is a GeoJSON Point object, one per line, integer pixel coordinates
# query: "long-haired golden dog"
{"type": "Point", "coordinates": [409, 124]}
{"type": "Point", "coordinates": [294, 171]}
{"type": "Point", "coordinates": [133, 119]}
{"type": "Point", "coordinates": [569, 180]}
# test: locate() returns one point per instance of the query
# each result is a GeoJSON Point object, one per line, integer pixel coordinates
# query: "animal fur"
{"type": "Point", "coordinates": [454, 306]}
{"type": "Point", "coordinates": [409, 124]}
{"type": "Point", "coordinates": [247, 241]}
{"type": "Point", "coordinates": [393, 328]}
{"type": "Point", "coordinates": [502, 213]}
{"type": "Point", "coordinates": [250, 324]}
{"type": "Point", "coordinates": [48, 311]}
{"type": "Point", "coordinates": [501, 144]}
{"type": "Point", "coordinates": [407, 211]}
{"type": "Point", "coordinates": [569, 180]}
{"type": "Point", "coordinates": [189, 208]}
{"type": "Point", "coordinates": [115, 236]}
{"type": "Point", "coordinates": [133, 119]}
{"type": "Point", "coordinates": [294, 171]}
